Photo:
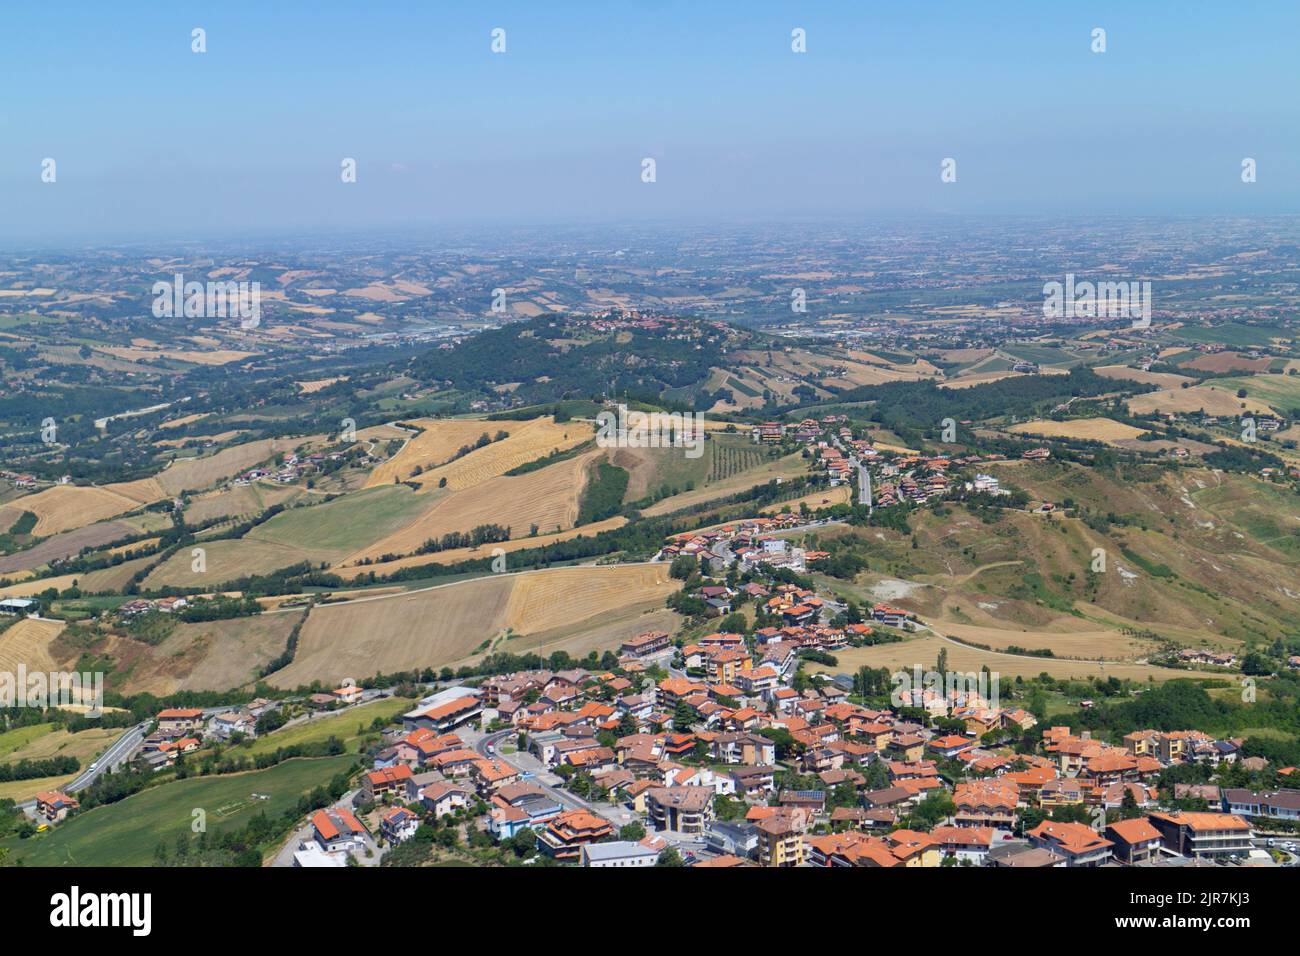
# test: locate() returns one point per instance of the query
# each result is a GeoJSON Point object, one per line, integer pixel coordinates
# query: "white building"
{"type": "Point", "coordinates": [620, 853]}
{"type": "Point", "coordinates": [18, 606]}
{"type": "Point", "coordinates": [311, 855]}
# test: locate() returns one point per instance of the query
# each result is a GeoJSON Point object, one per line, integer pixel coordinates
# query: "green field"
{"type": "Point", "coordinates": [739, 386]}
{"type": "Point", "coordinates": [126, 833]}
{"type": "Point", "coordinates": [227, 560]}
{"type": "Point", "coordinates": [1282, 392]}
{"type": "Point", "coordinates": [1231, 334]}
{"type": "Point", "coordinates": [343, 725]}
{"type": "Point", "coordinates": [12, 740]}
{"type": "Point", "coordinates": [316, 533]}
{"type": "Point", "coordinates": [730, 456]}
{"type": "Point", "coordinates": [1266, 513]}
{"type": "Point", "coordinates": [345, 524]}
{"type": "Point", "coordinates": [1040, 354]}
{"type": "Point", "coordinates": [28, 318]}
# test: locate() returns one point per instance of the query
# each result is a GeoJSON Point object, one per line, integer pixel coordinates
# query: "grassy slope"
{"type": "Point", "coordinates": [125, 833]}
{"type": "Point", "coordinates": [342, 725]}
{"type": "Point", "coordinates": [1227, 540]}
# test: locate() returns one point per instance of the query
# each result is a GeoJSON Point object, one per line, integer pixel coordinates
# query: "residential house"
{"type": "Point", "coordinates": [1079, 844]}
{"type": "Point", "coordinates": [565, 835]}
{"type": "Point", "coordinates": [443, 797]}
{"type": "Point", "coordinates": [683, 809]}
{"type": "Point", "coordinates": [732, 838]}
{"type": "Point", "coordinates": [518, 806]}
{"type": "Point", "coordinates": [55, 805]}
{"type": "Point", "coordinates": [965, 844]}
{"type": "Point", "coordinates": [376, 783]}
{"type": "Point", "coordinates": [1134, 841]}
{"type": "Point", "coordinates": [986, 803]}
{"type": "Point", "coordinates": [1204, 835]}
{"type": "Point", "coordinates": [398, 825]}
{"type": "Point", "coordinates": [1276, 804]}
{"type": "Point", "coordinates": [176, 721]}
{"type": "Point", "coordinates": [781, 838]}
{"type": "Point", "coordinates": [336, 828]}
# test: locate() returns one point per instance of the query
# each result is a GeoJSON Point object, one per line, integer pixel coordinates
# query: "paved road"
{"type": "Point", "coordinates": [119, 752]}
{"type": "Point", "coordinates": [527, 763]}
{"type": "Point", "coordinates": [123, 749]}
{"type": "Point", "coordinates": [1279, 838]}
{"type": "Point", "coordinates": [864, 476]}
{"type": "Point", "coordinates": [864, 484]}
{"type": "Point", "coordinates": [305, 834]}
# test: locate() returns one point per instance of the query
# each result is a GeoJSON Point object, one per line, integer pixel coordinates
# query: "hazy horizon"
{"type": "Point", "coordinates": [153, 140]}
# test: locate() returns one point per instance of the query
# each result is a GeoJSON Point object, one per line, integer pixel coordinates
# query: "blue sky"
{"type": "Point", "coordinates": [152, 140]}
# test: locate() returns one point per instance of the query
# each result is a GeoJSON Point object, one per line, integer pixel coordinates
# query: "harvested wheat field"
{"type": "Point", "coordinates": [66, 507]}
{"type": "Point", "coordinates": [85, 745]}
{"type": "Point", "coordinates": [825, 498]}
{"type": "Point", "coordinates": [434, 446]}
{"type": "Point", "coordinates": [784, 468]}
{"type": "Point", "coordinates": [603, 634]}
{"type": "Point", "coordinates": [438, 625]}
{"type": "Point", "coordinates": [1123, 373]}
{"type": "Point", "coordinates": [215, 357]}
{"type": "Point", "coordinates": [310, 388]}
{"type": "Point", "coordinates": [112, 579]}
{"type": "Point", "coordinates": [384, 432]}
{"type": "Point", "coordinates": [453, 555]}
{"type": "Point", "coordinates": [223, 560]}
{"type": "Point", "coordinates": [20, 790]}
{"type": "Point", "coordinates": [855, 373]}
{"type": "Point", "coordinates": [238, 501]}
{"type": "Point", "coordinates": [1227, 362]}
{"type": "Point", "coordinates": [211, 655]}
{"type": "Point", "coordinates": [924, 651]}
{"type": "Point", "coordinates": [32, 586]}
{"type": "Point", "coordinates": [183, 421]}
{"type": "Point", "coordinates": [1213, 400]}
{"type": "Point", "coordinates": [65, 545]}
{"type": "Point", "coordinates": [128, 548]}
{"type": "Point", "coordinates": [535, 439]}
{"type": "Point", "coordinates": [388, 634]}
{"type": "Point", "coordinates": [218, 439]}
{"type": "Point", "coordinates": [547, 599]}
{"type": "Point", "coordinates": [547, 498]}
{"type": "Point", "coordinates": [1090, 644]}
{"type": "Point", "coordinates": [108, 579]}
{"type": "Point", "coordinates": [28, 643]}
{"type": "Point", "coordinates": [198, 473]}
{"type": "Point", "coordinates": [143, 490]}
{"type": "Point", "coordinates": [1090, 429]}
